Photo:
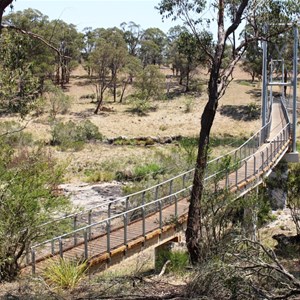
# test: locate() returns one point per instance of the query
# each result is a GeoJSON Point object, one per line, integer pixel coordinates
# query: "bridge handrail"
{"type": "Point", "coordinates": [276, 144]}
{"type": "Point", "coordinates": [257, 134]}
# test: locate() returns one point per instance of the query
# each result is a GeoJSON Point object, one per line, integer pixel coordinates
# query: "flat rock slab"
{"type": "Point", "coordinates": [87, 196]}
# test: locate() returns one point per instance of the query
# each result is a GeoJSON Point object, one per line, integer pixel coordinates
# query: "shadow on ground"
{"type": "Point", "coordinates": [241, 112]}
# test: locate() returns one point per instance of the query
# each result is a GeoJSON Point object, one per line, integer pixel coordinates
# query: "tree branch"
{"type": "Point", "coordinates": [238, 18]}
{"type": "Point", "coordinates": [35, 36]}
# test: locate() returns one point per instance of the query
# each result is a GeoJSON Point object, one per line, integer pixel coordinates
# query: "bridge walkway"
{"type": "Point", "coordinates": [122, 233]}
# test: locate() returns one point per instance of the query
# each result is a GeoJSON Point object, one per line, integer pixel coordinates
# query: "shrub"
{"type": "Point", "coordinates": [71, 136]}
{"type": "Point", "coordinates": [59, 101]}
{"type": "Point", "coordinates": [65, 274]}
{"type": "Point", "coordinates": [189, 146]}
{"type": "Point", "coordinates": [93, 176]}
{"type": "Point", "coordinates": [88, 96]}
{"type": "Point", "coordinates": [14, 135]}
{"type": "Point", "coordinates": [28, 196]}
{"type": "Point", "coordinates": [179, 260]}
{"type": "Point", "coordinates": [148, 170]}
{"type": "Point", "coordinates": [196, 86]}
{"type": "Point", "coordinates": [141, 106]}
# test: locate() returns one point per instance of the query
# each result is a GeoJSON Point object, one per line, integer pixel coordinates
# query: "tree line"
{"type": "Point", "coordinates": [112, 57]}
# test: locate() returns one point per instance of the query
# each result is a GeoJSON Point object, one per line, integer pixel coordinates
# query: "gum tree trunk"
{"type": "Point", "coordinates": [218, 82]}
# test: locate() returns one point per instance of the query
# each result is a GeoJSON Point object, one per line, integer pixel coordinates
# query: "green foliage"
{"type": "Point", "coordinates": [196, 86]}
{"type": "Point", "coordinates": [18, 83]}
{"type": "Point", "coordinates": [293, 188]}
{"type": "Point", "coordinates": [28, 198]}
{"type": "Point", "coordinates": [13, 135]}
{"type": "Point", "coordinates": [72, 136]}
{"type": "Point", "coordinates": [149, 83]}
{"type": "Point", "coordinates": [148, 170]}
{"type": "Point", "coordinates": [189, 145]}
{"type": "Point", "coordinates": [59, 102]}
{"type": "Point", "coordinates": [65, 274]}
{"type": "Point", "coordinates": [140, 106]}
{"type": "Point", "coordinates": [179, 260]}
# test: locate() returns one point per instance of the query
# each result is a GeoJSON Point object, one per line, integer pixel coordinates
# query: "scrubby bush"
{"type": "Point", "coordinates": [28, 198]}
{"type": "Point", "coordinates": [71, 136]}
{"type": "Point", "coordinates": [12, 134]}
{"type": "Point", "coordinates": [59, 102]}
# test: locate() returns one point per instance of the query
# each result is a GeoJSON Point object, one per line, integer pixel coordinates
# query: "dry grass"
{"type": "Point", "coordinates": [169, 119]}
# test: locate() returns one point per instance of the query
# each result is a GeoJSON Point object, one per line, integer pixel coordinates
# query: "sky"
{"type": "Point", "coordinates": [99, 13]}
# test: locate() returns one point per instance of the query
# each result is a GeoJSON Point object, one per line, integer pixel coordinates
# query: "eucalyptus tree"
{"type": "Point", "coordinates": [69, 43]}
{"type": "Point", "coordinates": [229, 17]}
{"type": "Point", "coordinates": [252, 61]}
{"type": "Point", "coordinates": [190, 55]}
{"type": "Point", "coordinates": [24, 61]}
{"type": "Point", "coordinates": [173, 56]}
{"type": "Point", "coordinates": [150, 83]}
{"type": "Point", "coordinates": [106, 60]}
{"type": "Point", "coordinates": [40, 58]}
{"type": "Point", "coordinates": [132, 36]}
{"type": "Point", "coordinates": [115, 39]}
{"type": "Point", "coordinates": [153, 46]}
{"type": "Point", "coordinates": [131, 69]}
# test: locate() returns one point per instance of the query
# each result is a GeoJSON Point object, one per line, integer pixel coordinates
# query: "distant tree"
{"type": "Point", "coordinates": [106, 60]}
{"type": "Point", "coordinates": [100, 60]}
{"type": "Point", "coordinates": [172, 54]}
{"type": "Point", "coordinates": [69, 43]}
{"type": "Point", "coordinates": [89, 39]}
{"type": "Point", "coordinates": [118, 58]}
{"type": "Point", "coordinates": [132, 36]}
{"type": "Point", "coordinates": [132, 68]}
{"type": "Point", "coordinates": [190, 54]}
{"type": "Point", "coordinates": [252, 61]}
{"type": "Point", "coordinates": [149, 83]}
{"type": "Point", "coordinates": [153, 45]}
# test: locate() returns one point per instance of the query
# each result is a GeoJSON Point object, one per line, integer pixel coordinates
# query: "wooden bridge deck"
{"type": "Point", "coordinates": [154, 232]}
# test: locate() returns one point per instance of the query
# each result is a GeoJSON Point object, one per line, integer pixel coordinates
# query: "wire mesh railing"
{"type": "Point", "coordinates": [231, 170]}
{"type": "Point", "coordinates": [253, 165]}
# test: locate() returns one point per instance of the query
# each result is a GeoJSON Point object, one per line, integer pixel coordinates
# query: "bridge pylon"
{"type": "Point", "coordinates": [267, 91]}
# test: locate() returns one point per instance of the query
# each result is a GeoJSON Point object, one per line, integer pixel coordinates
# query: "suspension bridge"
{"type": "Point", "coordinates": [152, 216]}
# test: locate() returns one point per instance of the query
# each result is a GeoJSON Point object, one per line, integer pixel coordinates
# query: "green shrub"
{"type": "Point", "coordinates": [29, 198]}
{"type": "Point", "coordinates": [179, 260]}
{"type": "Point", "coordinates": [65, 274]}
{"type": "Point", "coordinates": [148, 170]}
{"type": "Point", "coordinates": [196, 86]}
{"type": "Point", "coordinates": [141, 106]}
{"type": "Point", "coordinates": [71, 136]}
{"type": "Point", "coordinates": [189, 145]}
{"type": "Point", "coordinates": [14, 135]}
{"type": "Point", "coordinates": [59, 102]}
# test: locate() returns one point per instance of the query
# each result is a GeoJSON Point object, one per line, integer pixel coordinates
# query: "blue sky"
{"type": "Point", "coordinates": [99, 13]}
